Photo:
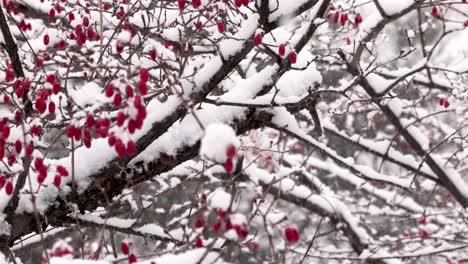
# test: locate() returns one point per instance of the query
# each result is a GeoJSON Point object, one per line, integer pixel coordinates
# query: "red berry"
{"type": "Point", "coordinates": [124, 248]}
{"type": "Point", "coordinates": [241, 231]}
{"type": "Point", "coordinates": [144, 75]}
{"type": "Point", "coordinates": [422, 220]}
{"type": "Point", "coordinates": [120, 119]}
{"type": "Point", "coordinates": [198, 243]}
{"type": "Point", "coordinates": [131, 126]}
{"type": "Point", "coordinates": [131, 148]}
{"type": "Point", "coordinates": [199, 222]}
{"type": "Point", "coordinates": [129, 91]}
{"type": "Point", "coordinates": [52, 13]}
{"type": "Point", "coordinates": [230, 151]}
{"type": "Point", "coordinates": [40, 105]}
{"type": "Point", "coordinates": [254, 245]}
{"type": "Point", "coordinates": [119, 46]}
{"type": "Point", "coordinates": [18, 146]}
{"type": "Point", "coordinates": [282, 50]}
{"type": "Point", "coordinates": [109, 90]}
{"type": "Point", "coordinates": [181, 4]}
{"type": "Point", "coordinates": [35, 130]}
{"type": "Point", "coordinates": [291, 234]}
{"type": "Point", "coordinates": [293, 57]}
{"type": "Point", "coordinates": [343, 19]}
{"type": "Point", "coordinates": [89, 121]}
{"type": "Point", "coordinates": [132, 258]}
{"type": "Point", "coordinates": [142, 87]}
{"type": "Point", "coordinates": [5, 132]}
{"type": "Point", "coordinates": [41, 177]}
{"type": "Point", "coordinates": [9, 188]}
{"type": "Point", "coordinates": [87, 143]}
{"type": "Point", "coordinates": [57, 180]}
{"type": "Point", "coordinates": [117, 99]}
{"type": "Point", "coordinates": [19, 91]}
{"type": "Point", "coordinates": [153, 54]}
{"type": "Point", "coordinates": [228, 165]}
{"type": "Point", "coordinates": [38, 163]}
{"type": "Point", "coordinates": [336, 17]}
{"type": "Point", "coordinates": [85, 21]}
{"type": "Point", "coordinates": [29, 149]}
{"type": "Point", "coordinates": [51, 107]}
{"type": "Point", "coordinates": [62, 170]}
{"type": "Point", "coordinates": [220, 27]}
{"type": "Point", "coordinates": [435, 12]}
{"type": "Point", "coordinates": [196, 3]}
{"type": "Point", "coordinates": [11, 159]}
{"type": "Point", "coordinates": [70, 131]}
{"type": "Point", "coordinates": [46, 39]}
{"type": "Point", "coordinates": [217, 226]}
{"type": "Point", "coordinates": [90, 33]}
{"type": "Point", "coordinates": [56, 88]}
{"type": "Point", "coordinates": [71, 16]}
{"type": "Point", "coordinates": [423, 233]}
{"type": "Point", "coordinates": [18, 116]}
{"type": "Point", "coordinates": [258, 39]}
{"type": "Point", "coordinates": [358, 19]}
{"type": "Point", "coordinates": [43, 172]}
{"type": "Point", "coordinates": [111, 140]}
{"type": "Point", "coordinates": [120, 148]}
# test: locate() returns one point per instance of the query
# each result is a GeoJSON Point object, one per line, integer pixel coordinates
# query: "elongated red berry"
{"type": "Point", "coordinates": [282, 50]}
{"type": "Point", "coordinates": [435, 12]}
{"type": "Point", "coordinates": [220, 27]}
{"type": "Point", "coordinates": [199, 222]}
{"type": "Point", "coordinates": [132, 258]}
{"type": "Point", "coordinates": [46, 39]}
{"type": "Point", "coordinates": [38, 163]}
{"type": "Point", "coordinates": [70, 131]}
{"type": "Point", "coordinates": [358, 19]}
{"type": "Point", "coordinates": [196, 3]}
{"type": "Point", "coordinates": [18, 146]}
{"type": "Point", "coordinates": [181, 4]}
{"type": "Point", "coordinates": [293, 57]}
{"type": "Point", "coordinates": [90, 121]}
{"type": "Point", "coordinates": [336, 17]}
{"type": "Point", "coordinates": [9, 188]}
{"type": "Point", "coordinates": [258, 39]}
{"type": "Point", "coordinates": [291, 234]}
{"type": "Point", "coordinates": [124, 248]}
{"type": "Point", "coordinates": [51, 107]}
{"type": "Point", "coordinates": [29, 149]}
{"type": "Point", "coordinates": [117, 99]}
{"type": "Point", "coordinates": [230, 151]}
{"type": "Point", "coordinates": [153, 54]}
{"type": "Point", "coordinates": [198, 243]}
{"type": "Point", "coordinates": [343, 19]}
{"type": "Point", "coordinates": [131, 147]}
{"type": "Point", "coordinates": [57, 181]}
{"type": "Point", "coordinates": [109, 90]}
{"type": "Point", "coordinates": [228, 165]}
{"type": "Point", "coordinates": [62, 170]}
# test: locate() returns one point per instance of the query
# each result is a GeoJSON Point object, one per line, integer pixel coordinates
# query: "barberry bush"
{"type": "Point", "coordinates": [233, 131]}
